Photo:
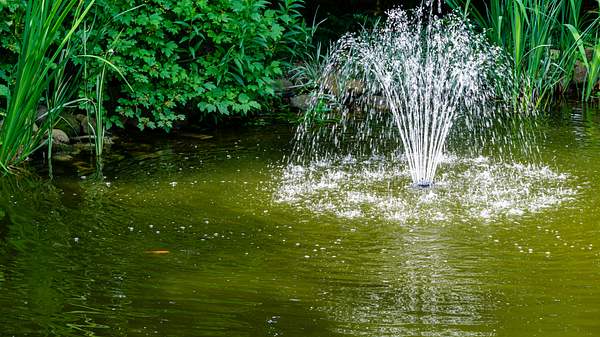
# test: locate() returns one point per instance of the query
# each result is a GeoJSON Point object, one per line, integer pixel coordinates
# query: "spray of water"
{"type": "Point", "coordinates": [419, 98]}
{"type": "Point", "coordinates": [407, 89]}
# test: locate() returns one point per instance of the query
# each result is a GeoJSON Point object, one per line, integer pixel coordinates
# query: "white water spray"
{"type": "Point", "coordinates": [405, 88]}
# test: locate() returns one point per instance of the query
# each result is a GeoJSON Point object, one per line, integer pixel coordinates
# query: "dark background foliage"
{"type": "Point", "coordinates": [202, 60]}
{"type": "Point", "coordinates": [199, 58]}
{"type": "Point", "coordinates": [11, 17]}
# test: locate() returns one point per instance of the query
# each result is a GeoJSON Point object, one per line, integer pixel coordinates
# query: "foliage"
{"type": "Point", "coordinates": [199, 58]}
{"type": "Point", "coordinates": [308, 72]}
{"type": "Point", "coordinates": [218, 58]}
{"type": "Point", "coordinates": [545, 38]}
{"type": "Point", "coordinates": [318, 113]}
{"type": "Point", "coordinates": [334, 25]}
{"type": "Point", "coordinates": [43, 57]}
{"type": "Point", "coordinates": [593, 71]}
{"type": "Point", "coordinates": [97, 120]}
{"type": "Point", "coordinates": [11, 18]}
{"type": "Point", "coordinates": [593, 65]}
{"type": "Point", "coordinates": [212, 58]}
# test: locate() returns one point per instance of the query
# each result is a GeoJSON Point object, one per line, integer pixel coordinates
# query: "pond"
{"type": "Point", "coordinates": [211, 237]}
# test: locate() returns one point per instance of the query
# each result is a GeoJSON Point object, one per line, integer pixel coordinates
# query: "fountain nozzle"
{"type": "Point", "coordinates": [424, 184]}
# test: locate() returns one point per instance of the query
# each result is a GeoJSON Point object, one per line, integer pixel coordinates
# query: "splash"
{"type": "Point", "coordinates": [416, 100]}
{"type": "Point", "coordinates": [468, 189]}
{"type": "Point", "coordinates": [411, 88]}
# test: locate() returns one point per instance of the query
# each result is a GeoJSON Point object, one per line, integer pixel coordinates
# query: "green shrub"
{"type": "Point", "coordinates": [11, 26]}
{"type": "Point", "coordinates": [201, 58]}
{"type": "Point", "coordinates": [216, 57]}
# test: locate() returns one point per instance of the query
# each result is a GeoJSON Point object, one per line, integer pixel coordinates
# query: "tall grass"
{"type": "Point", "coordinates": [41, 66]}
{"type": "Point", "coordinates": [307, 73]}
{"type": "Point", "coordinates": [546, 39]}
{"type": "Point", "coordinates": [593, 75]}
{"type": "Point", "coordinates": [96, 113]}
{"type": "Point", "coordinates": [593, 66]}
{"type": "Point", "coordinates": [97, 117]}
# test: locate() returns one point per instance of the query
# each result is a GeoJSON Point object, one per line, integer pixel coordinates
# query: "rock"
{"type": "Point", "coordinates": [356, 87]}
{"type": "Point", "coordinates": [92, 139]}
{"type": "Point", "coordinates": [283, 87]}
{"type": "Point", "coordinates": [301, 102]}
{"type": "Point", "coordinates": [589, 53]}
{"type": "Point", "coordinates": [379, 103]}
{"type": "Point", "coordinates": [196, 135]}
{"type": "Point", "coordinates": [85, 146]}
{"type": "Point", "coordinates": [59, 137]}
{"type": "Point", "coordinates": [331, 83]}
{"type": "Point", "coordinates": [80, 117]}
{"type": "Point", "coordinates": [62, 157]}
{"type": "Point", "coordinates": [42, 111]}
{"type": "Point", "coordinates": [88, 125]}
{"type": "Point", "coordinates": [579, 73]}
{"type": "Point", "coordinates": [72, 151]}
{"type": "Point", "coordinates": [69, 124]}
{"type": "Point", "coordinates": [63, 148]}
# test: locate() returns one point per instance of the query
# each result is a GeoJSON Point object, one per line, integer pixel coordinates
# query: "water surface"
{"type": "Point", "coordinates": [192, 237]}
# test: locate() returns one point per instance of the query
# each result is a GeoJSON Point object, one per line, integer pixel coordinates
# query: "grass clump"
{"type": "Point", "coordinates": [547, 39]}
{"type": "Point", "coordinates": [40, 73]}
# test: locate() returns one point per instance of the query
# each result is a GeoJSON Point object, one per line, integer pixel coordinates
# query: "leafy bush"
{"type": "Point", "coordinates": [11, 25]}
{"type": "Point", "coordinates": [207, 58]}
{"type": "Point", "coordinates": [216, 57]}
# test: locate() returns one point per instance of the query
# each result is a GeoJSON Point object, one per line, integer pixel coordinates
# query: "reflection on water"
{"type": "Point", "coordinates": [185, 238]}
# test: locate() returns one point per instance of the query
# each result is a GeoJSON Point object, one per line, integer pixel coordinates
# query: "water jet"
{"type": "Point", "coordinates": [407, 88]}
{"type": "Point", "coordinates": [416, 100]}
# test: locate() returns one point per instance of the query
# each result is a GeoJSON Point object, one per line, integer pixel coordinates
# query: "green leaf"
{"type": "Point", "coordinates": [4, 91]}
{"type": "Point", "coordinates": [578, 43]}
{"type": "Point", "coordinates": [208, 107]}
{"type": "Point", "coordinates": [243, 98]}
{"type": "Point", "coordinates": [223, 107]}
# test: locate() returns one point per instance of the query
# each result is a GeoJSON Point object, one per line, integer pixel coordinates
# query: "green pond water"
{"type": "Point", "coordinates": [215, 237]}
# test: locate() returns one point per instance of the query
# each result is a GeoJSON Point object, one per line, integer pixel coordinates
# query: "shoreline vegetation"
{"type": "Point", "coordinates": [75, 70]}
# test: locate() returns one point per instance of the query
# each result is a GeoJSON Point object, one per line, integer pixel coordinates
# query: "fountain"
{"type": "Point", "coordinates": [402, 87]}
{"type": "Point", "coordinates": [396, 103]}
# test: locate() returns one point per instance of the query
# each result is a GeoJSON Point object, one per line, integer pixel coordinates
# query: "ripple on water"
{"type": "Point", "coordinates": [467, 189]}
